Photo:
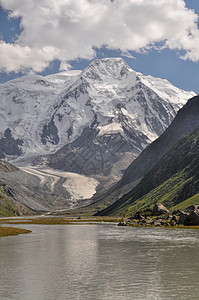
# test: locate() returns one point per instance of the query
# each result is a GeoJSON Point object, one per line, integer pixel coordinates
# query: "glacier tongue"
{"type": "Point", "coordinates": [47, 113]}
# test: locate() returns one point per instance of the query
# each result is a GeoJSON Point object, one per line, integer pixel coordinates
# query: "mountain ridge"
{"type": "Point", "coordinates": [94, 122]}
{"type": "Point", "coordinates": [176, 167]}
{"type": "Point", "coordinates": [52, 111]}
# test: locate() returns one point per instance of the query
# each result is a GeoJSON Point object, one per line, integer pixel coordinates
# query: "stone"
{"type": "Point", "coordinates": [175, 218]}
{"type": "Point", "coordinates": [158, 222]}
{"type": "Point", "coordinates": [182, 217]}
{"type": "Point", "coordinates": [136, 216]}
{"type": "Point", "coordinates": [121, 224]}
{"type": "Point", "coordinates": [192, 219]}
{"type": "Point", "coordinates": [172, 223]}
{"type": "Point", "coordinates": [159, 209]}
{"type": "Point", "coordinates": [192, 207]}
{"type": "Point", "coordinates": [150, 221]}
{"type": "Point", "coordinates": [176, 212]}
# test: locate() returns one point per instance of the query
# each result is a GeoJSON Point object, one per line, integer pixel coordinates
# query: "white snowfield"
{"type": "Point", "coordinates": [110, 129]}
{"type": "Point", "coordinates": [52, 111]}
{"type": "Point", "coordinates": [79, 187]}
{"type": "Point", "coordinates": [108, 90]}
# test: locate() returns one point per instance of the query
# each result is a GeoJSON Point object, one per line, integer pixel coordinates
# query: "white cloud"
{"type": "Point", "coordinates": [23, 58]}
{"type": "Point", "coordinates": [69, 29]}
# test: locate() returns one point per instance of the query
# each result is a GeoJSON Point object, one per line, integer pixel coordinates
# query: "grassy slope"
{"type": "Point", "coordinates": [185, 122]}
{"type": "Point", "coordinates": [174, 181]}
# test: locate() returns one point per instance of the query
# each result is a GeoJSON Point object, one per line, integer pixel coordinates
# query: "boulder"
{"type": "Point", "coordinates": [176, 212]}
{"type": "Point", "coordinates": [159, 209]}
{"type": "Point", "coordinates": [158, 222]}
{"type": "Point", "coordinates": [172, 223]}
{"type": "Point", "coordinates": [141, 222]}
{"type": "Point", "coordinates": [149, 221]}
{"type": "Point", "coordinates": [121, 224]}
{"type": "Point", "coordinates": [136, 216]}
{"type": "Point", "coordinates": [175, 218]}
{"type": "Point", "coordinates": [182, 217]}
{"type": "Point", "coordinates": [192, 219]}
{"type": "Point", "coordinates": [192, 208]}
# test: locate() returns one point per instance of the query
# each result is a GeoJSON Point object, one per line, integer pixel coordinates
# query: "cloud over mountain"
{"type": "Point", "coordinates": [71, 29]}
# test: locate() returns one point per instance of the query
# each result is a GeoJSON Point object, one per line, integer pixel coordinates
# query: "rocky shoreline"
{"type": "Point", "coordinates": [161, 216]}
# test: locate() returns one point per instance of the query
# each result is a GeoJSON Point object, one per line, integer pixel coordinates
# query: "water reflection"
{"type": "Point", "coordinates": [99, 262]}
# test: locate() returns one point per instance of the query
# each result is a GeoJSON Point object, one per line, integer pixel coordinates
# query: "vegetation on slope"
{"type": "Point", "coordinates": [186, 120]}
{"type": "Point", "coordinates": [174, 181]}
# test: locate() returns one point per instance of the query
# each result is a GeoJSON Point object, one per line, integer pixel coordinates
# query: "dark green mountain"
{"type": "Point", "coordinates": [186, 120]}
{"type": "Point", "coordinates": [173, 181]}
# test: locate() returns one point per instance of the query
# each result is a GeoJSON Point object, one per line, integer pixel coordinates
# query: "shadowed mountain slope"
{"type": "Point", "coordinates": [186, 120]}
{"type": "Point", "coordinates": [173, 181]}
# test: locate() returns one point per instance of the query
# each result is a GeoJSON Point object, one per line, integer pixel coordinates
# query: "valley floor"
{"type": "Point", "coordinates": [69, 220]}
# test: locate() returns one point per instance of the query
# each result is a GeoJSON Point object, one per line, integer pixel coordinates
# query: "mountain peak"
{"type": "Point", "coordinates": [108, 60]}
{"type": "Point", "coordinates": [50, 112]}
{"type": "Point", "coordinates": [114, 67]}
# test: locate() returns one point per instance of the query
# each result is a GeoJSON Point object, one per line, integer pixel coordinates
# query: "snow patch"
{"type": "Point", "coordinates": [110, 129]}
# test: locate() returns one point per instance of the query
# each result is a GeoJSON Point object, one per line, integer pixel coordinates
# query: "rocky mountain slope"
{"type": "Point", "coordinates": [124, 110]}
{"type": "Point", "coordinates": [186, 121]}
{"type": "Point", "coordinates": [29, 190]}
{"type": "Point", "coordinates": [93, 122]}
{"type": "Point", "coordinates": [40, 115]}
{"type": "Point", "coordinates": [8, 205]}
{"type": "Point", "coordinates": [174, 180]}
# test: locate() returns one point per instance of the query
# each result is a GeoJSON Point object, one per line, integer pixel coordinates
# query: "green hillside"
{"type": "Point", "coordinates": [174, 181]}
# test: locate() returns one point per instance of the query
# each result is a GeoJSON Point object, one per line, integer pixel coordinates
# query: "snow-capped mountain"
{"type": "Point", "coordinates": [108, 107]}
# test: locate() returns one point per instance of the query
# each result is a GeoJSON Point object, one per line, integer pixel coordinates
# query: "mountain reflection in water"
{"type": "Point", "coordinates": [99, 262]}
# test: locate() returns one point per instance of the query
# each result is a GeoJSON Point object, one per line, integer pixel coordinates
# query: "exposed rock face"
{"type": "Point", "coordinates": [182, 217]}
{"type": "Point", "coordinates": [136, 216]}
{"type": "Point", "coordinates": [9, 145]}
{"type": "Point", "coordinates": [192, 219]}
{"type": "Point", "coordinates": [159, 209]}
{"type": "Point", "coordinates": [178, 164]}
{"type": "Point", "coordinates": [188, 217]}
{"type": "Point", "coordinates": [108, 96]}
{"type": "Point", "coordinates": [92, 153]}
{"type": "Point", "coordinates": [177, 218]}
{"type": "Point", "coordinates": [94, 122]}
{"type": "Point", "coordinates": [192, 208]}
{"type": "Point", "coordinates": [185, 122]}
{"type": "Point", "coordinates": [50, 133]}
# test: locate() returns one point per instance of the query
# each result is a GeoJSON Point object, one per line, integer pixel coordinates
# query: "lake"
{"type": "Point", "coordinates": [106, 262]}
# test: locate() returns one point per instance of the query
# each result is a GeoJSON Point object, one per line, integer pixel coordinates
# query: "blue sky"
{"type": "Point", "coordinates": [151, 38]}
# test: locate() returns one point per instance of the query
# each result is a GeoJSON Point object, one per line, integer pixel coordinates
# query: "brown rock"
{"type": "Point", "coordinates": [182, 217]}
{"type": "Point", "coordinates": [192, 219]}
{"type": "Point", "coordinates": [192, 207]}
{"type": "Point", "coordinates": [159, 209]}
{"type": "Point", "coordinates": [136, 216]}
